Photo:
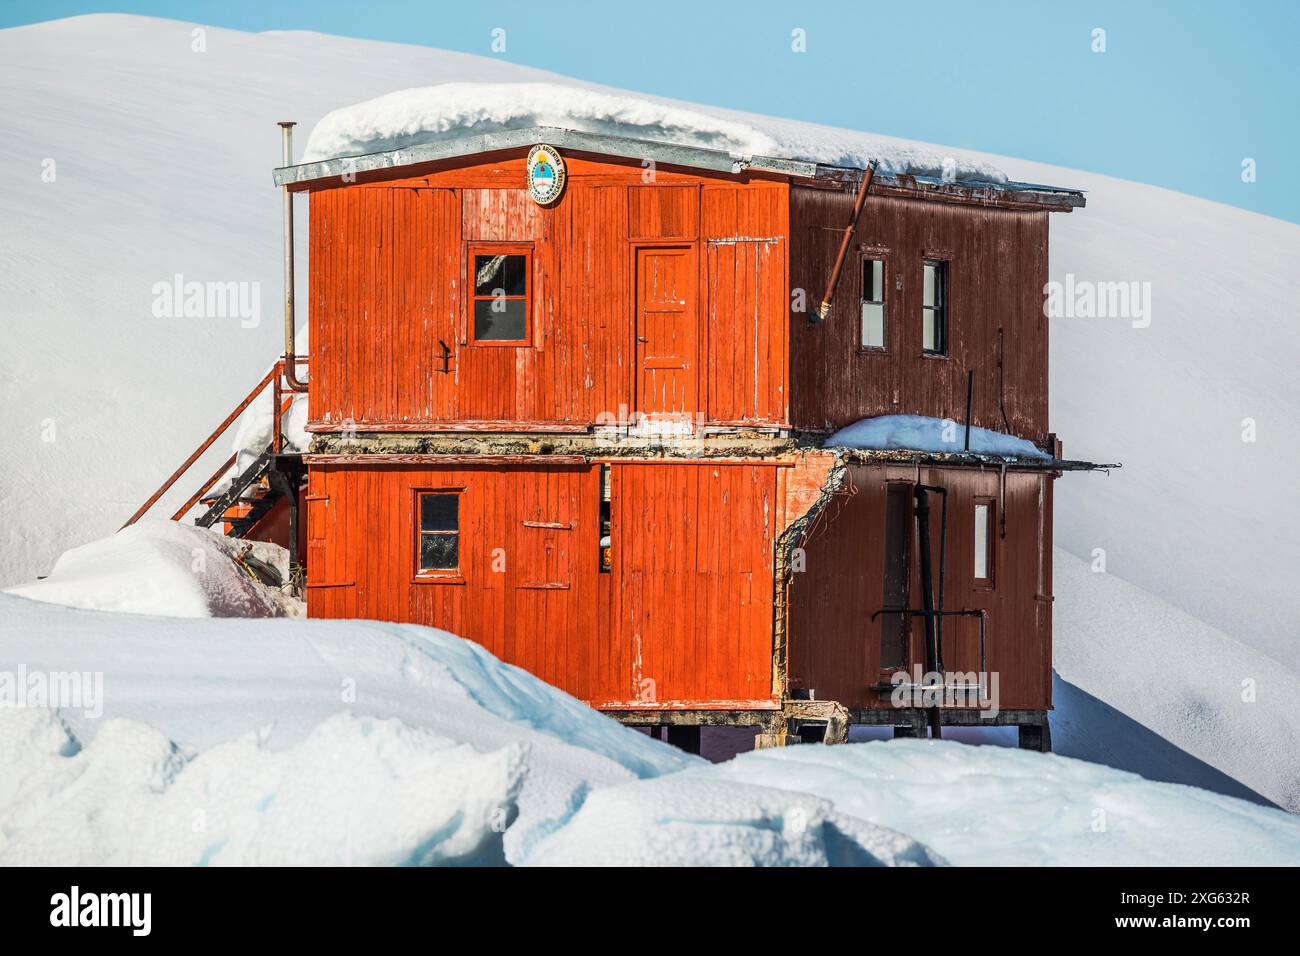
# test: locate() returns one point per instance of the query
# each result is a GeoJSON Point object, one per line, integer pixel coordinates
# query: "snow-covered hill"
{"type": "Point", "coordinates": [128, 156]}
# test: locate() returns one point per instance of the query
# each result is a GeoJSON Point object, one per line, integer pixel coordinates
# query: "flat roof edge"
{"type": "Point", "coordinates": [674, 154]}
{"type": "Point", "coordinates": [474, 143]}
{"type": "Point", "coordinates": [904, 456]}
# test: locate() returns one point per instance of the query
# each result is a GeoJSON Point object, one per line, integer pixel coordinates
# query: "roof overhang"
{"type": "Point", "coordinates": [669, 154]}
{"type": "Point", "coordinates": [903, 456]}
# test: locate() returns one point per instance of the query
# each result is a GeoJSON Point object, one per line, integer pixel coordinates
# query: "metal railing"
{"type": "Point", "coordinates": [273, 378]}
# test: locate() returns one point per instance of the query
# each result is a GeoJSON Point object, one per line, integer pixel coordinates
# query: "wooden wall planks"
{"type": "Point", "coordinates": [997, 271]}
{"type": "Point", "coordinates": [685, 616]}
{"type": "Point", "coordinates": [388, 276]}
{"type": "Point", "coordinates": [834, 647]}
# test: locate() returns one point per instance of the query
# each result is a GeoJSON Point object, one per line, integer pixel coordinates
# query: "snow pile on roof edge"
{"type": "Point", "coordinates": [937, 435]}
{"type": "Point", "coordinates": [431, 114]}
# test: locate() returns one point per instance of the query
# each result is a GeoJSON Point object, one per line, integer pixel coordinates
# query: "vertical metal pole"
{"type": "Point", "coordinates": [970, 397]}
{"type": "Point", "coordinates": [290, 359]}
{"type": "Point", "coordinates": [927, 598]}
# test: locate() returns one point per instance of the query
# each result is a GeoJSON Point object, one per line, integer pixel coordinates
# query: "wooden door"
{"type": "Point", "coordinates": [667, 332]}
{"type": "Point", "coordinates": [693, 558]}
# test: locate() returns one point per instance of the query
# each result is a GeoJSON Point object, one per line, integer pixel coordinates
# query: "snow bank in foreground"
{"type": "Point", "coordinates": [994, 806]}
{"type": "Point", "coordinates": [449, 110]}
{"type": "Point", "coordinates": [920, 433]}
{"type": "Point", "coordinates": [289, 742]}
{"type": "Point", "coordinates": [162, 567]}
{"type": "Point", "coordinates": [357, 791]}
{"type": "Point", "coordinates": [683, 820]}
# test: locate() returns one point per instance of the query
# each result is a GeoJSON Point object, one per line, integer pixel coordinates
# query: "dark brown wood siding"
{"type": "Point", "coordinates": [997, 269]}
{"type": "Point", "coordinates": [834, 646]}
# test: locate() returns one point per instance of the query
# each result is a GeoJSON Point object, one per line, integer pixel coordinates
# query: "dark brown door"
{"type": "Point", "coordinates": [893, 623]}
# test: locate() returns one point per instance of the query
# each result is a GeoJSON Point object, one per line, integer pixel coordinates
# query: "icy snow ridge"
{"type": "Point", "coordinates": [921, 433]}
{"type": "Point", "coordinates": [994, 806]}
{"type": "Point", "coordinates": [683, 820]}
{"type": "Point", "coordinates": [451, 110]}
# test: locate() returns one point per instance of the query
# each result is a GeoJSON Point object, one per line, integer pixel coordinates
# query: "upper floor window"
{"type": "Point", "coordinates": [873, 303]}
{"type": "Point", "coordinates": [500, 302]}
{"type": "Point", "coordinates": [934, 307]}
{"type": "Point", "coordinates": [439, 544]}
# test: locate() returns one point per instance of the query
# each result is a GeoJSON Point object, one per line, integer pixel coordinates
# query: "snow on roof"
{"type": "Point", "coordinates": [432, 114]}
{"type": "Point", "coordinates": [936, 435]}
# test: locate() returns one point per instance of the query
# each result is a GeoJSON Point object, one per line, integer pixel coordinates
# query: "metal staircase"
{"type": "Point", "coordinates": [274, 475]}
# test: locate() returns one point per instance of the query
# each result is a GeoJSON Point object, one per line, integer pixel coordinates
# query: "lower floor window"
{"type": "Point", "coordinates": [439, 544]}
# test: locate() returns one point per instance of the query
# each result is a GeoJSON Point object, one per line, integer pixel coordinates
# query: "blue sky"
{"type": "Point", "coordinates": [1184, 92]}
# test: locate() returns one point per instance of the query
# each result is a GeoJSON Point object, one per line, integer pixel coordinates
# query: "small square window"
{"type": "Point", "coordinates": [439, 544]}
{"type": "Point", "coordinates": [873, 303]}
{"type": "Point", "coordinates": [500, 302]}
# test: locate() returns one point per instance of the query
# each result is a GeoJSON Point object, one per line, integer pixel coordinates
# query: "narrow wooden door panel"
{"type": "Point", "coordinates": [666, 330]}
{"type": "Point", "coordinates": [693, 560]}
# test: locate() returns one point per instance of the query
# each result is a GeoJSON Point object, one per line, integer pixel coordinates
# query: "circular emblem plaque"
{"type": "Point", "coordinates": [545, 174]}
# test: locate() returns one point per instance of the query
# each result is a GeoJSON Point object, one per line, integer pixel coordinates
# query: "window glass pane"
{"type": "Point", "coordinates": [927, 330]}
{"type": "Point", "coordinates": [981, 541]}
{"type": "Point", "coordinates": [500, 320]}
{"type": "Point", "coordinates": [873, 280]}
{"type": "Point", "coordinates": [929, 284]}
{"type": "Point", "coordinates": [873, 325]}
{"type": "Point", "coordinates": [439, 512]}
{"type": "Point", "coordinates": [509, 274]}
{"type": "Point", "coordinates": [439, 552]}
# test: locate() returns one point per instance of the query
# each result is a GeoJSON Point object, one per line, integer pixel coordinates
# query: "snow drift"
{"type": "Point", "coordinates": [226, 742]}
{"type": "Point", "coordinates": [236, 742]}
{"type": "Point", "coordinates": [162, 567]}
{"type": "Point", "coordinates": [991, 806]}
{"type": "Point", "coordinates": [683, 820]}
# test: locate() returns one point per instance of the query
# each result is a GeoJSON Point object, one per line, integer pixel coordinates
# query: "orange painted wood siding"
{"type": "Point", "coordinates": [388, 275]}
{"type": "Point", "coordinates": [683, 619]}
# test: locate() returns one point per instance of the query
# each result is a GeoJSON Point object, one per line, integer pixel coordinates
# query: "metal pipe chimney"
{"type": "Point", "coordinates": [290, 359]}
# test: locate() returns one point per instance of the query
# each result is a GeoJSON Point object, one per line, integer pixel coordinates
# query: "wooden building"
{"type": "Point", "coordinates": [583, 423]}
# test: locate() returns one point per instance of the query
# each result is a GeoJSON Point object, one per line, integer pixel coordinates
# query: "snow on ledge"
{"type": "Point", "coordinates": [937, 435]}
{"type": "Point", "coordinates": [453, 110]}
